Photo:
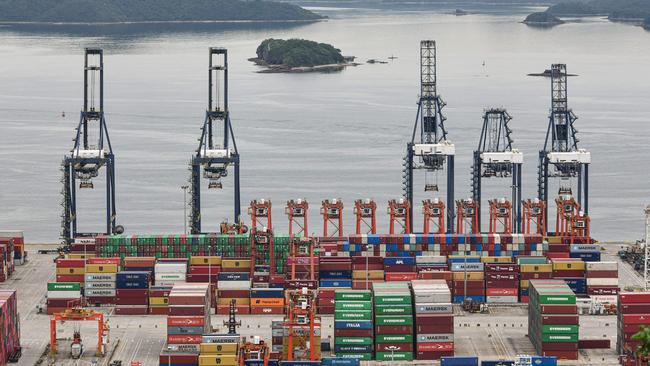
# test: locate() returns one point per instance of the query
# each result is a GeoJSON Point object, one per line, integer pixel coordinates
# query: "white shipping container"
{"type": "Point", "coordinates": [99, 293]}
{"type": "Point", "coordinates": [184, 348]}
{"type": "Point", "coordinates": [170, 277]}
{"type": "Point", "coordinates": [101, 277]}
{"type": "Point", "coordinates": [440, 337]}
{"type": "Point", "coordinates": [602, 281]}
{"type": "Point", "coordinates": [100, 285]}
{"type": "Point", "coordinates": [433, 308]}
{"type": "Point", "coordinates": [602, 266]}
{"type": "Point", "coordinates": [234, 285]}
{"type": "Point", "coordinates": [502, 299]}
{"type": "Point", "coordinates": [431, 259]}
{"type": "Point", "coordinates": [168, 283]}
{"type": "Point", "coordinates": [604, 299]}
{"type": "Point", "coordinates": [11, 233]}
{"type": "Point", "coordinates": [63, 294]}
{"type": "Point", "coordinates": [170, 268]}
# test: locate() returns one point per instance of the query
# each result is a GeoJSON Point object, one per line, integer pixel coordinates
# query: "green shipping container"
{"type": "Point", "coordinates": [561, 329]}
{"type": "Point", "coordinates": [358, 341]}
{"type": "Point", "coordinates": [360, 356]}
{"type": "Point", "coordinates": [394, 356]}
{"type": "Point", "coordinates": [393, 309]}
{"type": "Point", "coordinates": [63, 286]}
{"type": "Point", "coordinates": [393, 320]}
{"type": "Point", "coordinates": [559, 338]}
{"type": "Point", "coordinates": [352, 305]}
{"type": "Point", "coordinates": [557, 299]}
{"type": "Point", "coordinates": [392, 299]}
{"type": "Point", "coordinates": [394, 338]}
{"type": "Point", "coordinates": [353, 295]}
{"type": "Point", "coordinates": [353, 315]}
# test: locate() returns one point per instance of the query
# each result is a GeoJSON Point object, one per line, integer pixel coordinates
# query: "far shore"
{"type": "Point", "coordinates": [4, 22]}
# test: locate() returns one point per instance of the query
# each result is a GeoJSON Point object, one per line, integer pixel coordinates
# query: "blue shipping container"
{"type": "Point", "coordinates": [399, 260]}
{"type": "Point", "coordinates": [335, 274]}
{"type": "Point", "coordinates": [267, 292]}
{"type": "Point", "coordinates": [543, 361]}
{"type": "Point", "coordinates": [459, 361]}
{"type": "Point", "coordinates": [358, 324]}
{"type": "Point", "coordinates": [497, 363]}
{"type": "Point", "coordinates": [272, 362]}
{"type": "Point", "coordinates": [134, 276]}
{"type": "Point", "coordinates": [300, 363]}
{"type": "Point", "coordinates": [234, 276]}
{"type": "Point", "coordinates": [337, 361]}
{"type": "Point", "coordinates": [125, 285]}
{"type": "Point", "coordinates": [336, 283]}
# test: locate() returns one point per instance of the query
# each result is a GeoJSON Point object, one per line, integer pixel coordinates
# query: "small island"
{"type": "Point", "coordinates": [299, 55]}
{"type": "Point", "coordinates": [542, 19]}
{"type": "Point", "coordinates": [93, 11]}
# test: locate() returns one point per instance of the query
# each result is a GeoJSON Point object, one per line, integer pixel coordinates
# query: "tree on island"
{"type": "Point", "coordinates": [298, 53]}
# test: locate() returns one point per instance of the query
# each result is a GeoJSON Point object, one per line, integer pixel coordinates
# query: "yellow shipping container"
{"type": "Point", "coordinates": [239, 301]}
{"type": "Point", "coordinates": [375, 274]}
{"type": "Point", "coordinates": [536, 267]}
{"type": "Point", "coordinates": [70, 271]}
{"type": "Point", "coordinates": [235, 263]}
{"type": "Point", "coordinates": [101, 268]}
{"type": "Point", "coordinates": [204, 260]}
{"type": "Point", "coordinates": [81, 255]}
{"type": "Point", "coordinates": [158, 301]}
{"type": "Point", "coordinates": [218, 360]}
{"type": "Point", "coordinates": [554, 239]}
{"type": "Point", "coordinates": [459, 276]}
{"type": "Point", "coordinates": [493, 259]}
{"type": "Point", "coordinates": [524, 283]}
{"type": "Point", "coordinates": [220, 348]}
{"type": "Point", "coordinates": [569, 265]}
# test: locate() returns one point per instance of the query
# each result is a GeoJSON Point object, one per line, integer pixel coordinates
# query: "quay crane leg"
{"type": "Point", "coordinates": [215, 155]}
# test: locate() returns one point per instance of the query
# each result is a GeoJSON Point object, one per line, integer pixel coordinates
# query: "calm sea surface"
{"type": "Point", "coordinates": [315, 135]}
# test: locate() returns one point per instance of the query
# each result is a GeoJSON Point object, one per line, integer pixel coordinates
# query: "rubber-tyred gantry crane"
{"type": "Point", "coordinates": [302, 263]}
{"type": "Point", "coordinates": [217, 150]}
{"type": "Point", "coordinates": [496, 158]}
{"type": "Point", "coordinates": [80, 314]}
{"type": "Point", "coordinates": [332, 212]}
{"type": "Point", "coordinates": [429, 144]}
{"type": "Point", "coordinates": [262, 255]}
{"type": "Point", "coordinates": [561, 158]}
{"type": "Point", "coordinates": [365, 212]}
{"type": "Point", "coordinates": [301, 322]}
{"type": "Point", "coordinates": [92, 151]}
{"type": "Point", "coordinates": [296, 211]}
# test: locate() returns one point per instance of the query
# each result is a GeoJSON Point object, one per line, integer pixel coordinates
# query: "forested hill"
{"type": "Point", "coordinates": [615, 9]}
{"type": "Point", "coordinates": [94, 11]}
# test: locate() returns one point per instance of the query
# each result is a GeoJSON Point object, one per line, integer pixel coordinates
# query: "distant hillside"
{"type": "Point", "coordinates": [614, 9]}
{"type": "Point", "coordinates": [543, 18]}
{"type": "Point", "coordinates": [94, 11]}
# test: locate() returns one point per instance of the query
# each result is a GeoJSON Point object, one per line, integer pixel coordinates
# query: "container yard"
{"type": "Point", "coordinates": [529, 291]}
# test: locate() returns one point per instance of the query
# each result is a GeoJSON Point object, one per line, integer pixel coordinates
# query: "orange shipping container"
{"type": "Point", "coordinates": [262, 302]}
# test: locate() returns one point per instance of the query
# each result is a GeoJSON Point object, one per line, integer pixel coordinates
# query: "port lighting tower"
{"type": "Point", "coordinates": [296, 210]}
{"type": "Point", "coordinates": [561, 157]}
{"type": "Point", "coordinates": [496, 158]}
{"type": "Point", "coordinates": [429, 148]}
{"type": "Point", "coordinates": [217, 149]}
{"type": "Point", "coordinates": [434, 216]}
{"type": "Point", "coordinates": [332, 212]}
{"type": "Point", "coordinates": [366, 214]}
{"type": "Point", "coordinates": [533, 216]}
{"type": "Point", "coordinates": [467, 215]}
{"type": "Point", "coordinates": [92, 151]}
{"type": "Point", "coordinates": [260, 212]}
{"type": "Point", "coordinates": [398, 211]}
{"type": "Point", "coordinates": [646, 267]}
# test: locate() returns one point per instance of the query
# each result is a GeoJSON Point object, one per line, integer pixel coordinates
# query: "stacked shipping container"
{"type": "Point", "coordinates": [269, 301]}
{"type": "Point", "coordinates": [233, 286]}
{"type": "Point", "coordinates": [602, 278]}
{"type": "Point", "coordinates": [100, 280]}
{"type": "Point", "coordinates": [553, 324]}
{"type": "Point", "coordinates": [17, 239]}
{"type": "Point", "coordinates": [132, 292]}
{"type": "Point", "coordinates": [393, 308]}
{"type": "Point", "coordinates": [353, 325]}
{"type": "Point", "coordinates": [434, 319]}
{"type": "Point", "coordinates": [532, 268]}
{"type": "Point", "coordinates": [188, 320]}
{"type": "Point", "coordinates": [572, 271]}
{"type": "Point", "coordinates": [469, 280]}
{"type": "Point", "coordinates": [159, 300]}
{"type": "Point", "coordinates": [9, 325]}
{"type": "Point", "coordinates": [62, 295]}
{"type": "Point", "coordinates": [502, 282]}
{"type": "Point", "coordinates": [633, 312]}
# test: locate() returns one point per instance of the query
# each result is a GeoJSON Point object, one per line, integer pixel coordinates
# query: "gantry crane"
{"type": "Point", "coordinates": [467, 216]}
{"type": "Point", "coordinates": [431, 147]}
{"type": "Point", "coordinates": [297, 210]}
{"type": "Point", "coordinates": [399, 215]}
{"type": "Point", "coordinates": [496, 158]}
{"type": "Point", "coordinates": [366, 215]}
{"type": "Point", "coordinates": [303, 262]}
{"type": "Point", "coordinates": [332, 212]}
{"type": "Point", "coordinates": [434, 216]}
{"type": "Point", "coordinates": [571, 221]}
{"type": "Point", "coordinates": [533, 216]}
{"type": "Point", "coordinates": [79, 314]}
{"type": "Point", "coordinates": [217, 149]}
{"type": "Point", "coordinates": [262, 254]}
{"type": "Point", "coordinates": [561, 157]}
{"type": "Point", "coordinates": [92, 151]}
{"type": "Point", "coordinates": [260, 212]}
{"type": "Point", "coordinates": [301, 322]}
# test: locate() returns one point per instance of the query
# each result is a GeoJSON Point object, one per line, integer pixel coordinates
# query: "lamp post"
{"type": "Point", "coordinates": [184, 188]}
{"type": "Point", "coordinates": [646, 259]}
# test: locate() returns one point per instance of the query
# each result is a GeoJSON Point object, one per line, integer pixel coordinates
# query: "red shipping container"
{"type": "Point", "coordinates": [114, 260]}
{"type": "Point", "coordinates": [184, 338]}
{"type": "Point", "coordinates": [370, 267]}
{"type": "Point", "coordinates": [594, 344]}
{"type": "Point", "coordinates": [132, 293]}
{"type": "Point", "coordinates": [560, 320]}
{"type": "Point", "coordinates": [131, 310]}
{"type": "Point", "coordinates": [566, 355]}
{"type": "Point", "coordinates": [499, 276]}
{"type": "Point", "coordinates": [188, 310]}
{"type": "Point", "coordinates": [70, 263]}
{"type": "Point", "coordinates": [635, 318]}
{"type": "Point", "coordinates": [239, 309]}
{"type": "Point", "coordinates": [104, 300]}
{"type": "Point", "coordinates": [559, 309]}
{"type": "Point", "coordinates": [267, 310]}
{"type": "Point", "coordinates": [434, 328]}
{"type": "Point", "coordinates": [460, 290]}
{"type": "Point", "coordinates": [185, 321]}
{"type": "Point", "coordinates": [433, 355]}
{"type": "Point", "coordinates": [634, 308]}
{"type": "Point", "coordinates": [602, 290]}
{"type": "Point", "coordinates": [159, 310]}
{"type": "Point", "coordinates": [187, 299]}
{"type": "Point", "coordinates": [393, 329]}
{"type": "Point", "coordinates": [326, 309]}
{"type": "Point", "coordinates": [568, 273]}
{"type": "Point", "coordinates": [353, 333]}
{"type": "Point", "coordinates": [634, 297]}
{"type": "Point", "coordinates": [560, 346]}
{"type": "Point", "coordinates": [556, 255]}
{"type": "Point", "coordinates": [502, 284]}
{"type": "Point", "coordinates": [369, 260]}
{"type": "Point", "coordinates": [602, 274]}
{"type": "Point", "coordinates": [326, 294]}
{"type": "Point", "coordinates": [401, 276]}
{"type": "Point", "coordinates": [398, 347]}
{"type": "Point", "coordinates": [470, 284]}
{"type": "Point", "coordinates": [502, 291]}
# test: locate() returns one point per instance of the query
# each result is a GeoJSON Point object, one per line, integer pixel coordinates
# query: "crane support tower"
{"type": "Point", "coordinates": [561, 158]}
{"type": "Point", "coordinates": [496, 158]}
{"type": "Point", "coordinates": [429, 144]}
{"type": "Point", "coordinates": [365, 212]}
{"type": "Point", "coordinates": [332, 212]}
{"type": "Point", "coordinates": [303, 263]}
{"type": "Point", "coordinates": [297, 210]}
{"type": "Point", "coordinates": [92, 150]}
{"type": "Point", "coordinates": [467, 215]}
{"type": "Point", "coordinates": [399, 214]}
{"type": "Point", "coordinates": [434, 216]}
{"type": "Point", "coordinates": [217, 149]}
{"type": "Point", "coordinates": [533, 217]}
{"type": "Point", "coordinates": [260, 213]}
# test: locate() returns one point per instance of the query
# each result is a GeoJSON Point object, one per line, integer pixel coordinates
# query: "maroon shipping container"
{"type": "Point", "coordinates": [560, 320]}
{"type": "Point", "coordinates": [602, 290]}
{"type": "Point", "coordinates": [434, 328]}
{"type": "Point", "coordinates": [502, 284]}
{"type": "Point", "coordinates": [159, 292]}
{"type": "Point", "coordinates": [188, 310]}
{"type": "Point", "coordinates": [635, 318]}
{"type": "Point", "coordinates": [168, 359]}
{"type": "Point", "coordinates": [326, 309]}
{"type": "Point", "coordinates": [471, 284]}
{"type": "Point", "coordinates": [335, 266]}
{"type": "Point", "coordinates": [238, 294]}
{"type": "Point", "coordinates": [501, 267]}
{"type": "Point", "coordinates": [187, 299]}
{"type": "Point", "coordinates": [70, 278]}
{"type": "Point", "coordinates": [433, 355]}
{"type": "Point", "coordinates": [460, 290]}
{"type": "Point", "coordinates": [102, 300]}
{"type": "Point", "coordinates": [568, 273]}
{"type": "Point", "coordinates": [135, 293]}
{"type": "Point", "coordinates": [62, 303]}
{"type": "Point", "coordinates": [267, 310]}
{"type": "Point", "coordinates": [370, 267]}
{"type": "Point", "coordinates": [634, 308]}
{"type": "Point", "coordinates": [393, 329]}
{"type": "Point", "coordinates": [566, 355]}
{"type": "Point", "coordinates": [560, 346]}
{"type": "Point", "coordinates": [225, 309]}
{"type": "Point", "coordinates": [559, 309]}
{"type": "Point", "coordinates": [206, 270]}
{"type": "Point", "coordinates": [634, 298]}
{"type": "Point", "coordinates": [399, 268]}
{"type": "Point", "coordinates": [70, 263]}
{"type": "Point", "coordinates": [202, 278]}
{"type": "Point", "coordinates": [159, 310]}
{"type": "Point", "coordinates": [602, 274]}
{"type": "Point", "coordinates": [631, 328]}
{"type": "Point", "coordinates": [132, 301]}
{"type": "Point", "coordinates": [326, 294]}
{"type": "Point", "coordinates": [594, 344]}
{"type": "Point", "coordinates": [131, 310]}
{"type": "Point", "coordinates": [501, 276]}
{"type": "Point", "coordinates": [536, 275]}
{"type": "Point", "coordinates": [397, 347]}
{"type": "Point", "coordinates": [353, 333]}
